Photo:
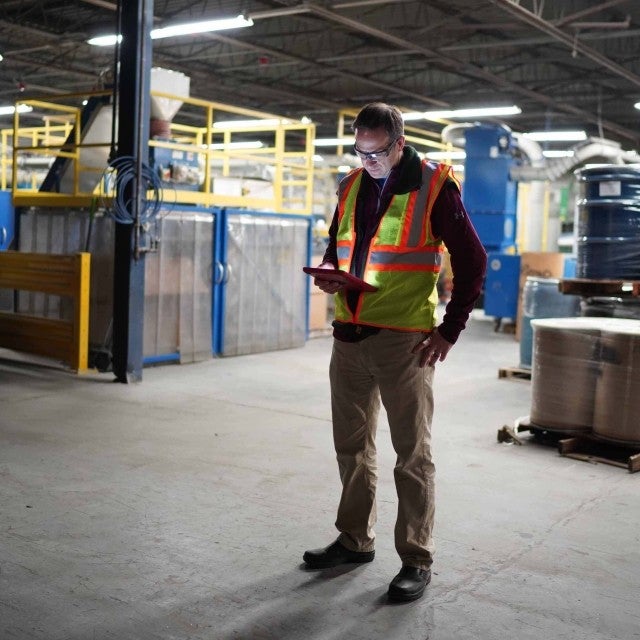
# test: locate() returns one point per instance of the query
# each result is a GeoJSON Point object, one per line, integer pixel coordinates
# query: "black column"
{"type": "Point", "coordinates": [133, 140]}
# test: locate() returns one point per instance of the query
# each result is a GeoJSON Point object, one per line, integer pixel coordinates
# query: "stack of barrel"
{"type": "Point", "coordinates": [586, 370]}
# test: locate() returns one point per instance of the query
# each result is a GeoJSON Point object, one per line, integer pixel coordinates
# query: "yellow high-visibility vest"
{"type": "Point", "coordinates": [403, 258]}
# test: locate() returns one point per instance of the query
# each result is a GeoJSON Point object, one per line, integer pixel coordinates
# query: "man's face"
{"type": "Point", "coordinates": [387, 152]}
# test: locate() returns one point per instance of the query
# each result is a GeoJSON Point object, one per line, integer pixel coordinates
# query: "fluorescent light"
{"type": "Point", "coordinates": [344, 168]}
{"type": "Point", "coordinates": [9, 111]}
{"type": "Point", "coordinates": [333, 142]}
{"type": "Point", "coordinates": [458, 168]}
{"type": "Point", "coordinates": [249, 144]}
{"type": "Point", "coordinates": [104, 41]}
{"type": "Point", "coordinates": [201, 27]}
{"type": "Point", "coordinates": [446, 155]}
{"type": "Point", "coordinates": [556, 136]}
{"type": "Point", "coordinates": [480, 112]}
{"type": "Point", "coordinates": [413, 115]}
{"type": "Point", "coordinates": [637, 105]}
{"type": "Point", "coordinates": [317, 158]}
{"type": "Point", "coordinates": [180, 30]}
{"type": "Point", "coordinates": [1, 57]}
{"type": "Point", "coordinates": [567, 153]}
{"type": "Point", "coordinates": [247, 124]}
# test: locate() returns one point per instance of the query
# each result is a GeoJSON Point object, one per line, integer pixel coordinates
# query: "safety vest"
{"type": "Point", "coordinates": [403, 258]}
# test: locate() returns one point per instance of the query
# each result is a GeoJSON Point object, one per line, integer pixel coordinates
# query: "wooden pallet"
{"type": "Point", "coordinates": [518, 373]}
{"type": "Point", "coordinates": [584, 287]}
{"type": "Point", "coordinates": [594, 451]}
{"type": "Point", "coordinates": [579, 446]}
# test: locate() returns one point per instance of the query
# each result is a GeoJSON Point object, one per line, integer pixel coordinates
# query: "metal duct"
{"type": "Point", "coordinates": [591, 148]}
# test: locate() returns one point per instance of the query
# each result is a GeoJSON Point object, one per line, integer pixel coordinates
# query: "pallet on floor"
{"type": "Point", "coordinates": [594, 450]}
{"type": "Point", "coordinates": [519, 373]}
{"type": "Point", "coordinates": [577, 445]}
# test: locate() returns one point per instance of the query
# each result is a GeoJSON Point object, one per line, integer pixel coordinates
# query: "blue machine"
{"type": "Point", "coordinates": [176, 168]}
{"type": "Point", "coordinates": [7, 220]}
{"type": "Point", "coordinates": [489, 194]}
{"type": "Point", "coordinates": [501, 285]}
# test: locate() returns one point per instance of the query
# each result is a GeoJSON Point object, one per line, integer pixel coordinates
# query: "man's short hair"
{"type": "Point", "coordinates": [378, 115]}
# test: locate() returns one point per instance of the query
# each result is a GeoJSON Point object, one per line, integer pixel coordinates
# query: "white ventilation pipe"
{"type": "Point", "coordinates": [534, 220]}
{"type": "Point", "coordinates": [591, 148]}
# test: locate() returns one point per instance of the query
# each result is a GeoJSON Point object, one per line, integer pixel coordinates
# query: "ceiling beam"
{"type": "Point", "coordinates": [572, 42]}
{"type": "Point", "coordinates": [460, 67]}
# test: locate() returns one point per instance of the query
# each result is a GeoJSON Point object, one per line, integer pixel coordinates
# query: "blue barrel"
{"type": "Point", "coordinates": [541, 298]}
{"type": "Point", "coordinates": [608, 223]}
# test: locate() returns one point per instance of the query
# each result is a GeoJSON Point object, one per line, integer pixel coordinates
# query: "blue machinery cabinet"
{"type": "Point", "coordinates": [7, 233]}
{"type": "Point", "coordinates": [7, 220]}
{"type": "Point", "coordinates": [489, 194]}
{"type": "Point", "coordinates": [501, 285]}
{"type": "Point", "coordinates": [260, 295]}
{"type": "Point", "coordinates": [220, 282]}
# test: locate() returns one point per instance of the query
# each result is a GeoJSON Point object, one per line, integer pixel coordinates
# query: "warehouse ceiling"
{"type": "Point", "coordinates": [573, 64]}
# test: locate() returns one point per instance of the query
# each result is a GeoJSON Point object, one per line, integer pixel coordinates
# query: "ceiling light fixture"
{"type": "Point", "coordinates": [186, 29]}
{"type": "Point", "coordinates": [480, 112]}
{"type": "Point", "coordinates": [201, 27]}
{"type": "Point", "coordinates": [556, 136]}
{"type": "Point", "coordinates": [247, 124]}
{"type": "Point", "coordinates": [249, 144]}
{"type": "Point", "coordinates": [104, 41]}
{"type": "Point", "coordinates": [333, 142]}
{"type": "Point", "coordinates": [558, 153]}
{"type": "Point", "coordinates": [10, 110]}
{"type": "Point", "coordinates": [637, 105]}
{"type": "Point", "coordinates": [446, 155]}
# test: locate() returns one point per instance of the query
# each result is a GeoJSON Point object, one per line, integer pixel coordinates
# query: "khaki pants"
{"type": "Point", "coordinates": [361, 374]}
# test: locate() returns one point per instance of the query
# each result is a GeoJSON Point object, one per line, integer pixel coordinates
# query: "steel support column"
{"type": "Point", "coordinates": [133, 140]}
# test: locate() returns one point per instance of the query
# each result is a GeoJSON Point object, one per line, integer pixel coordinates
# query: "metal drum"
{"type": "Point", "coordinates": [541, 298]}
{"type": "Point", "coordinates": [617, 407]}
{"type": "Point", "coordinates": [608, 222]}
{"type": "Point", "coordinates": [564, 373]}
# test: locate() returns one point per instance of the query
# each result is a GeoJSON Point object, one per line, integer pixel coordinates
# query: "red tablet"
{"type": "Point", "coordinates": [336, 275]}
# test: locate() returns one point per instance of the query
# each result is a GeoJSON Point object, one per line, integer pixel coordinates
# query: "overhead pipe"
{"type": "Point", "coordinates": [592, 148]}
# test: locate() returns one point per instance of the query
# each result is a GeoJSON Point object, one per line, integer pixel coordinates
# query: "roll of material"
{"type": "Point", "coordinates": [564, 373]}
{"type": "Point", "coordinates": [617, 403]}
{"type": "Point", "coordinates": [541, 298]}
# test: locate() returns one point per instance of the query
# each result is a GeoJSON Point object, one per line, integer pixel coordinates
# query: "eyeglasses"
{"type": "Point", "coordinates": [375, 155]}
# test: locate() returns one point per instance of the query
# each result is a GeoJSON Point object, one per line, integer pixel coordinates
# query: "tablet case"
{"type": "Point", "coordinates": [344, 278]}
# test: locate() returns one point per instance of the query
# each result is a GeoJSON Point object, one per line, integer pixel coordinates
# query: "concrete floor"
{"type": "Point", "coordinates": [179, 508]}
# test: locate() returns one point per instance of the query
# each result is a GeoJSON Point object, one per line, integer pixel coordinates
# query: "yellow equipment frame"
{"type": "Point", "coordinates": [290, 162]}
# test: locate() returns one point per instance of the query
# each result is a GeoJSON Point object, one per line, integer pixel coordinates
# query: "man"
{"type": "Point", "coordinates": [393, 217]}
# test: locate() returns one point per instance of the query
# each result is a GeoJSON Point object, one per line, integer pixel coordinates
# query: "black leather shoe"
{"type": "Point", "coordinates": [409, 584]}
{"type": "Point", "coordinates": [333, 555]}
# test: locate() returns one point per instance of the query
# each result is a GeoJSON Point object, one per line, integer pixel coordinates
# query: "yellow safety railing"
{"type": "Point", "coordinates": [243, 157]}
{"type": "Point", "coordinates": [61, 275]}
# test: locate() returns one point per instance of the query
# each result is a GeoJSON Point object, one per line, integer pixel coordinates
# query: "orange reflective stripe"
{"type": "Point", "coordinates": [347, 191]}
{"type": "Point", "coordinates": [437, 182]}
{"type": "Point", "coordinates": [408, 222]}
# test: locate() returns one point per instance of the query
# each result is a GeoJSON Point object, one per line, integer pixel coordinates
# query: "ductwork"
{"type": "Point", "coordinates": [454, 133]}
{"type": "Point", "coordinates": [539, 167]}
{"type": "Point", "coordinates": [590, 149]}
{"type": "Point", "coordinates": [530, 148]}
